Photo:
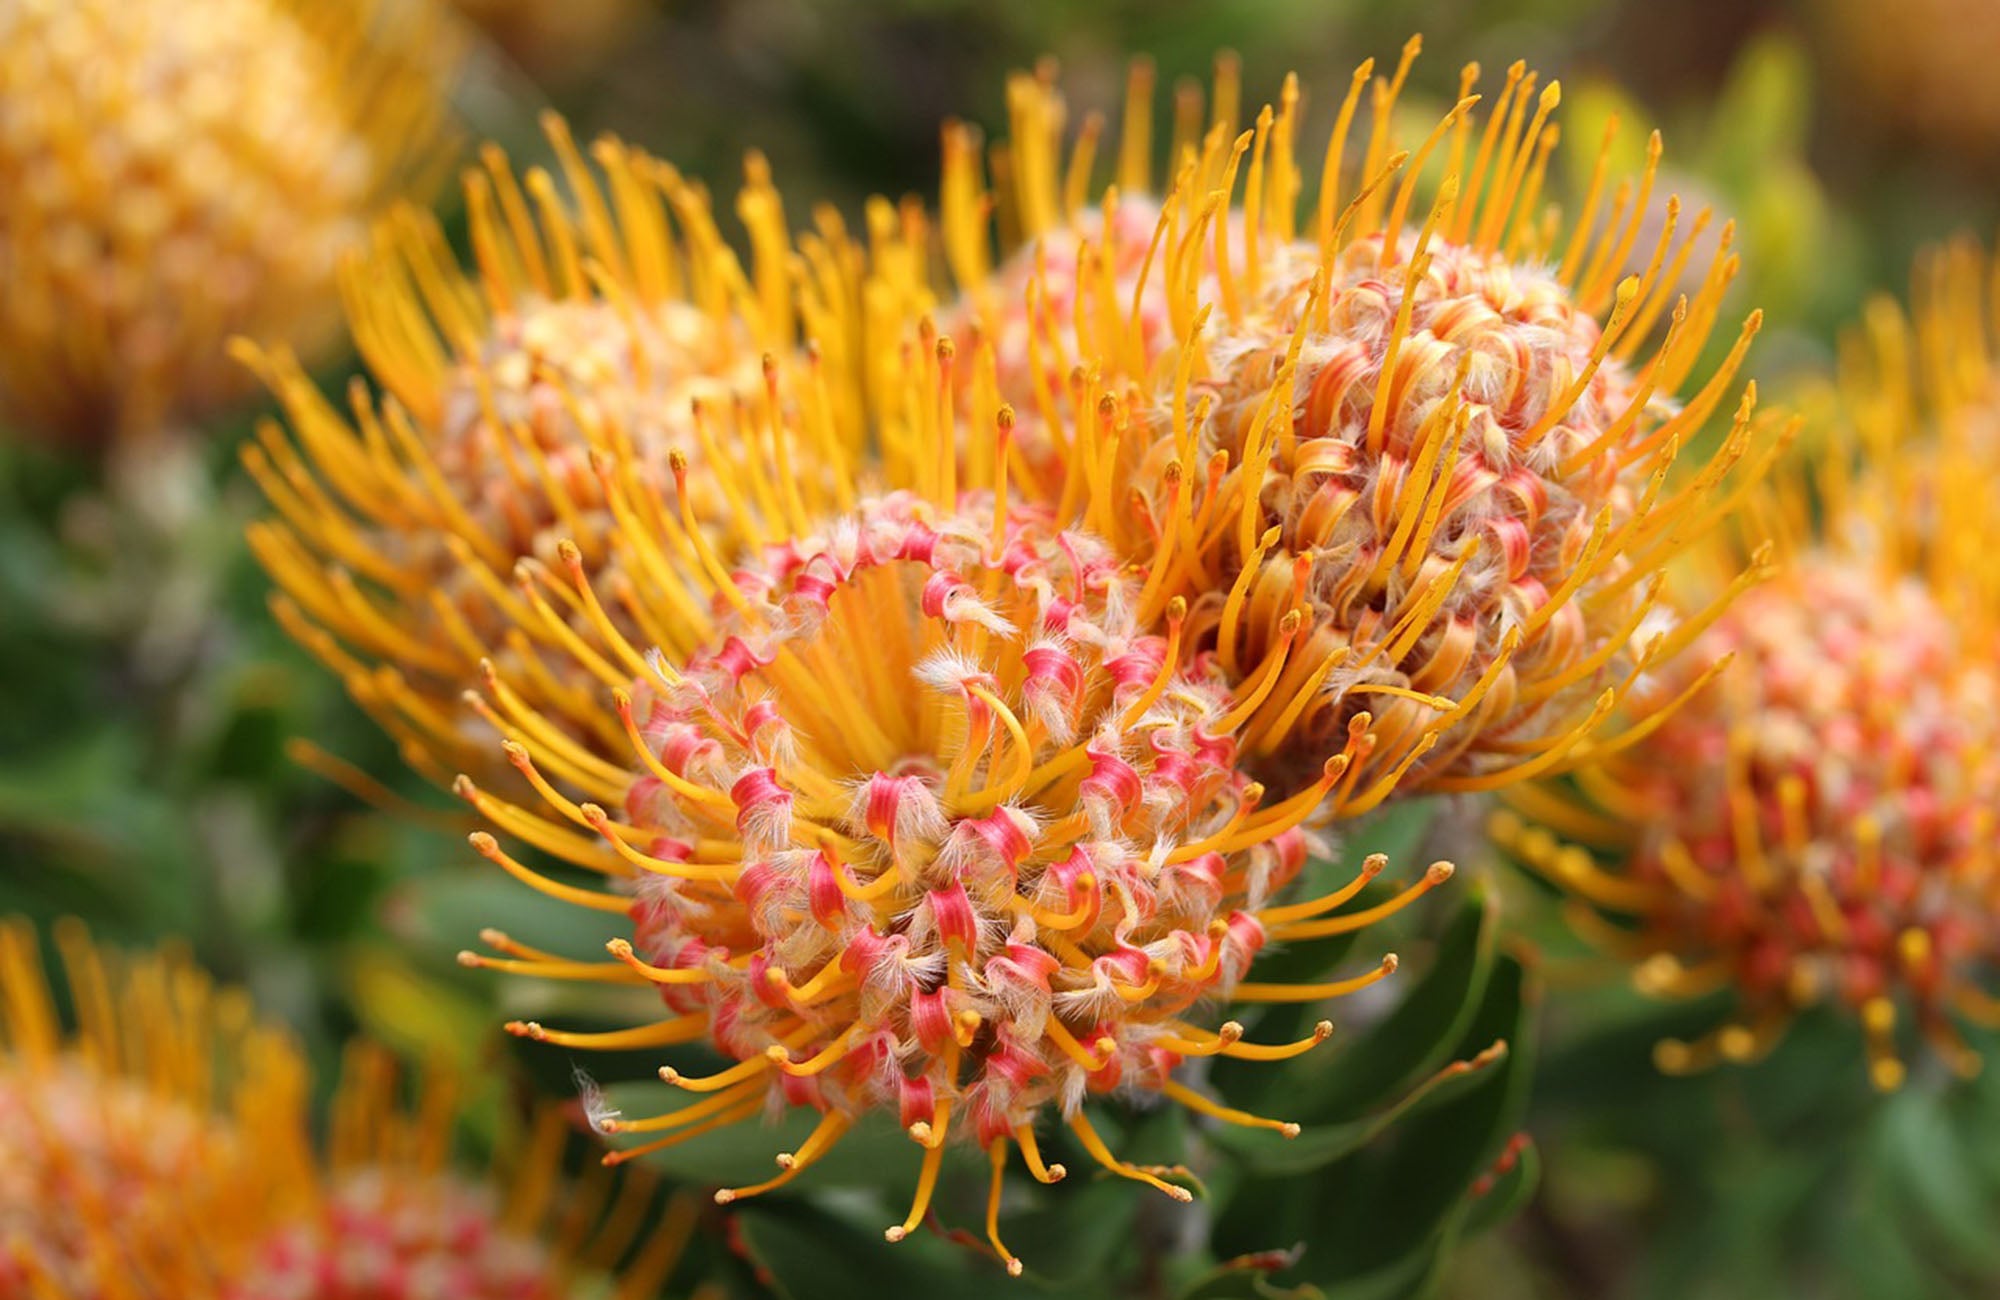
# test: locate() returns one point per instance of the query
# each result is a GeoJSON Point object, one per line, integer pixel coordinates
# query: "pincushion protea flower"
{"type": "Point", "coordinates": [163, 1150]}
{"type": "Point", "coordinates": [394, 1222]}
{"type": "Point", "coordinates": [935, 827]}
{"type": "Point", "coordinates": [1818, 827]}
{"type": "Point", "coordinates": [179, 172]}
{"type": "Point", "coordinates": [1409, 455]}
{"type": "Point", "coordinates": [121, 1147]}
{"type": "Point", "coordinates": [535, 398]}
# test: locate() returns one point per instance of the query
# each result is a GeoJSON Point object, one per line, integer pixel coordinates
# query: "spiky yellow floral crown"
{"type": "Point", "coordinates": [1428, 466]}
{"type": "Point", "coordinates": [162, 1150]}
{"type": "Point", "coordinates": [1818, 825]}
{"type": "Point", "coordinates": [182, 172]}
{"type": "Point", "coordinates": [948, 728]}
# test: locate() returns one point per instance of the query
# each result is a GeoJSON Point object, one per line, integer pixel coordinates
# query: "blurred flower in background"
{"type": "Point", "coordinates": [163, 1148]}
{"type": "Point", "coordinates": [178, 174]}
{"type": "Point", "coordinates": [1819, 824]}
{"type": "Point", "coordinates": [183, 172]}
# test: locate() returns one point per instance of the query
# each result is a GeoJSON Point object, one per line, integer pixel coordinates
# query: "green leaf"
{"type": "Point", "coordinates": [418, 1015]}
{"type": "Point", "coordinates": [1320, 1145]}
{"type": "Point", "coordinates": [1072, 1235]}
{"type": "Point", "coordinates": [1489, 1207]}
{"type": "Point", "coordinates": [1398, 830]}
{"type": "Point", "coordinates": [876, 1154]}
{"type": "Point", "coordinates": [805, 1252]}
{"type": "Point", "coordinates": [1418, 1176]}
{"type": "Point", "coordinates": [1405, 1276]}
{"type": "Point", "coordinates": [1248, 1277]}
{"type": "Point", "coordinates": [1395, 1053]}
{"type": "Point", "coordinates": [443, 910]}
{"type": "Point", "coordinates": [1378, 1222]}
{"type": "Point", "coordinates": [1925, 1157]}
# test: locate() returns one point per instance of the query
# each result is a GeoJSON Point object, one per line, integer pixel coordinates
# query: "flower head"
{"type": "Point", "coordinates": [534, 400]}
{"type": "Point", "coordinates": [1817, 826]}
{"type": "Point", "coordinates": [163, 1152]}
{"type": "Point", "coordinates": [392, 1220]}
{"type": "Point", "coordinates": [934, 827]}
{"type": "Point", "coordinates": [180, 172]}
{"type": "Point", "coordinates": [121, 1148]}
{"type": "Point", "coordinates": [1400, 454]}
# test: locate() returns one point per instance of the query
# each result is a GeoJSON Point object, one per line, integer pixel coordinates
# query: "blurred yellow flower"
{"type": "Point", "coordinates": [1819, 825]}
{"type": "Point", "coordinates": [178, 172]}
{"type": "Point", "coordinates": [163, 1151]}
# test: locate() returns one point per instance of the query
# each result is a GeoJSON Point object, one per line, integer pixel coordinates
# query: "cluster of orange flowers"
{"type": "Point", "coordinates": [1819, 825]}
{"type": "Point", "coordinates": [165, 1149]}
{"type": "Point", "coordinates": [181, 173]}
{"type": "Point", "coordinates": [945, 681]}
{"type": "Point", "coordinates": [944, 676]}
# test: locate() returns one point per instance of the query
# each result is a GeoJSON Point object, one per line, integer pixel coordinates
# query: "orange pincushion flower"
{"type": "Point", "coordinates": [392, 1220]}
{"type": "Point", "coordinates": [536, 400]}
{"type": "Point", "coordinates": [1432, 431]}
{"type": "Point", "coordinates": [1819, 825]}
{"type": "Point", "coordinates": [934, 827]}
{"type": "Point", "coordinates": [179, 172]}
{"type": "Point", "coordinates": [124, 1153]}
{"type": "Point", "coordinates": [163, 1152]}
